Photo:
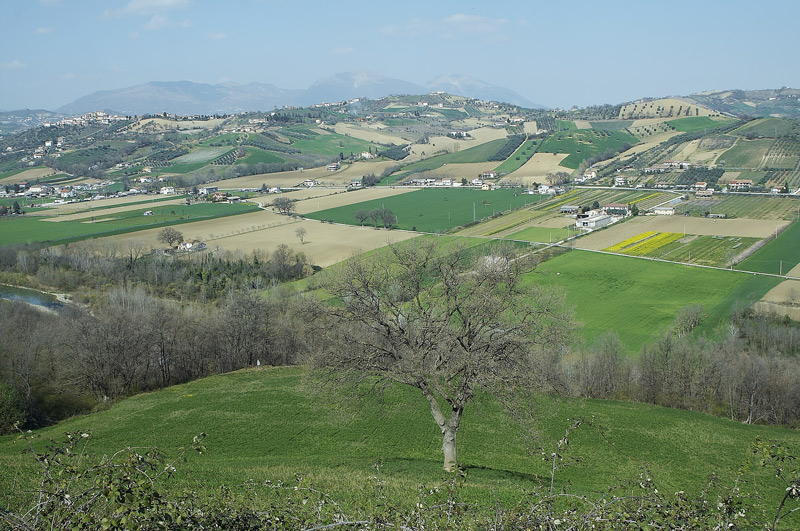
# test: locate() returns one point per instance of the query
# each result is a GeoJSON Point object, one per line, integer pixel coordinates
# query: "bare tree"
{"type": "Point", "coordinates": [438, 320]}
{"type": "Point", "coordinates": [300, 232]}
{"type": "Point", "coordinates": [170, 236]}
{"type": "Point", "coordinates": [361, 215]}
{"type": "Point", "coordinates": [284, 205]}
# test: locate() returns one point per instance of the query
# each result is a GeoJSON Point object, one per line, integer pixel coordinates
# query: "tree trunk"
{"type": "Point", "coordinates": [449, 427]}
{"type": "Point", "coordinates": [449, 447]}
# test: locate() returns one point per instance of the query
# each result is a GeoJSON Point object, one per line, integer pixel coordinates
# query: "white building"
{"type": "Point", "coordinates": [593, 222]}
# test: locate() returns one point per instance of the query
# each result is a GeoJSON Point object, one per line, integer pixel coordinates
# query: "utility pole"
{"type": "Point", "coordinates": [473, 211]}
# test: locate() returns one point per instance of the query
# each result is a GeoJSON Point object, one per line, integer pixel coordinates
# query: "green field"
{"type": "Point", "coordinates": [433, 210]}
{"type": "Point", "coordinates": [330, 144]}
{"type": "Point", "coordinates": [451, 114]}
{"type": "Point", "coordinates": [29, 229]}
{"type": "Point", "coordinates": [779, 255]}
{"type": "Point", "coordinates": [770, 127]}
{"type": "Point", "coordinates": [518, 158]}
{"type": "Point", "coordinates": [479, 153]}
{"type": "Point", "coordinates": [202, 155]}
{"type": "Point", "coordinates": [584, 143]}
{"type": "Point", "coordinates": [746, 154]}
{"type": "Point", "coordinates": [639, 298]}
{"type": "Point", "coordinates": [256, 155]}
{"type": "Point", "coordinates": [542, 234]}
{"type": "Point", "coordinates": [697, 123]}
{"type": "Point", "coordinates": [270, 425]}
{"type": "Point", "coordinates": [611, 125]}
{"type": "Point", "coordinates": [779, 207]}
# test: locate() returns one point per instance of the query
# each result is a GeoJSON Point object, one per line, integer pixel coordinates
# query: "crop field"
{"type": "Point", "coordinates": [202, 155]}
{"type": "Point", "coordinates": [587, 196]}
{"type": "Point", "coordinates": [662, 108]}
{"type": "Point", "coordinates": [21, 176]}
{"type": "Point", "coordinates": [93, 211]}
{"type": "Point", "coordinates": [639, 298]}
{"type": "Point", "coordinates": [537, 167]}
{"type": "Point", "coordinates": [543, 234]}
{"type": "Point", "coordinates": [779, 255]}
{"type": "Point", "coordinates": [784, 154]}
{"type": "Point", "coordinates": [584, 143]}
{"type": "Point", "coordinates": [334, 445]}
{"type": "Point", "coordinates": [769, 127]}
{"type": "Point", "coordinates": [611, 125]}
{"type": "Point", "coordinates": [522, 155]}
{"type": "Point", "coordinates": [743, 206]}
{"type": "Point", "coordinates": [718, 251]}
{"type": "Point", "coordinates": [619, 232]}
{"type": "Point", "coordinates": [256, 155]}
{"type": "Point", "coordinates": [327, 143]}
{"type": "Point", "coordinates": [746, 154]}
{"type": "Point", "coordinates": [480, 153]}
{"type": "Point", "coordinates": [29, 229]}
{"type": "Point", "coordinates": [367, 134]}
{"type": "Point", "coordinates": [698, 123]}
{"type": "Point", "coordinates": [340, 198]}
{"type": "Point", "coordinates": [433, 210]}
{"type": "Point", "coordinates": [508, 222]}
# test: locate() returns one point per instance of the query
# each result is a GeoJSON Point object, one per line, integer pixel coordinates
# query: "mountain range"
{"type": "Point", "coordinates": [186, 97]}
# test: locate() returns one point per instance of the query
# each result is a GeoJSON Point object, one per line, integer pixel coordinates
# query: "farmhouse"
{"type": "Point", "coordinates": [738, 185]}
{"type": "Point", "coordinates": [594, 222]}
{"type": "Point", "coordinates": [704, 194]}
{"type": "Point", "coordinates": [569, 209]}
{"type": "Point", "coordinates": [489, 175]}
{"type": "Point", "coordinates": [148, 213]}
{"type": "Point", "coordinates": [664, 211]}
{"type": "Point", "coordinates": [700, 185]}
{"type": "Point", "coordinates": [677, 164]}
{"type": "Point", "coordinates": [311, 182]}
{"type": "Point", "coordinates": [192, 246]}
{"type": "Point", "coordinates": [616, 209]}
{"type": "Point", "coordinates": [619, 181]}
{"type": "Point", "coordinates": [206, 190]}
{"type": "Point", "coordinates": [167, 190]}
{"type": "Point", "coordinates": [333, 166]}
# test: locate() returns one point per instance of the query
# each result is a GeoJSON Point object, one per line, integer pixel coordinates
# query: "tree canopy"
{"type": "Point", "coordinates": [444, 321]}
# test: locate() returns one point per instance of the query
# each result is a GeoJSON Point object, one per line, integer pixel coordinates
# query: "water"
{"type": "Point", "coordinates": [30, 296]}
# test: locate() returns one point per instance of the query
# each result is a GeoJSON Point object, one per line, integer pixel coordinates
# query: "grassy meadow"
{"type": "Point", "coordinates": [274, 423]}
{"type": "Point", "coordinates": [433, 210]}
{"type": "Point", "coordinates": [583, 144]}
{"type": "Point", "coordinates": [697, 123]}
{"type": "Point", "coordinates": [779, 254]}
{"type": "Point", "coordinates": [29, 229]}
{"type": "Point", "coordinates": [639, 298]}
{"type": "Point", "coordinates": [479, 153]}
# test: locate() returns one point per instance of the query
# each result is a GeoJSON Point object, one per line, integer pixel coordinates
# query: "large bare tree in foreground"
{"type": "Point", "coordinates": [443, 321]}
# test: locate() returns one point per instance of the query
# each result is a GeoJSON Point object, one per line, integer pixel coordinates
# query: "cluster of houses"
{"type": "Point", "coordinates": [596, 218]}
{"type": "Point", "coordinates": [670, 165]}
{"type": "Point", "coordinates": [96, 117]}
{"type": "Point", "coordinates": [58, 191]}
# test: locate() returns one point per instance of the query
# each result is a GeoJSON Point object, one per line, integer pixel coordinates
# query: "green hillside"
{"type": "Point", "coordinates": [268, 424]}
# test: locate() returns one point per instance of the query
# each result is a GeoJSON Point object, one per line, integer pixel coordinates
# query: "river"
{"type": "Point", "coordinates": [30, 296]}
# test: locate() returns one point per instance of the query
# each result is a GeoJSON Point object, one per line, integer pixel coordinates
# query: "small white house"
{"type": "Point", "coordinates": [167, 190]}
{"type": "Point", "coordinates": [148, 213]}
{"type": "Point", "coordinates": [664, 211]}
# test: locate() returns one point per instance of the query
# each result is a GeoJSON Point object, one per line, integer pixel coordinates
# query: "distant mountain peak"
{"type": "Point", "coordinates": [188, 97]}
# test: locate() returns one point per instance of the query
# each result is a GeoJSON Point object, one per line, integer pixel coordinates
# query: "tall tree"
{"type": "Point", "coordinates": [439, 320]}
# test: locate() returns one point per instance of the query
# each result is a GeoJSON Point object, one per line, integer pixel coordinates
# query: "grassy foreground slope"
{"type": "Point", "coordinates": [269, 425]}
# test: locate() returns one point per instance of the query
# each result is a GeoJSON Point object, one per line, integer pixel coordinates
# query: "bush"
{"type": "Point", "coordinates": [12, 408]}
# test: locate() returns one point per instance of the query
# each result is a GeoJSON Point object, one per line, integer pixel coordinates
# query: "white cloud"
{"type": "Point", "coordinates": [343, 50]}
{"type": "Point", "coordinates": [133, 35]}
{"type": "Point", "coordinates": [13, 65]}
{"type": "Point", "coordinates": [157, 22]}
{"type": "Point", "coordinates": [44, 31]}
{"type": "Point", "coordinates": [147, 8]}
{"type": "Point", "coordinates": [457, 25]}
{"type": "Point", "coordinates": [462, 24]}
{"type": "Point", "coordinates": [217, 36]}
{"type": "Point", "coordinates": [68, 75]}
{"type": "Point", "coordinates": [186, 23]}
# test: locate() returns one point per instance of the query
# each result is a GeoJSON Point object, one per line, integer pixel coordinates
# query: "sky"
{"type": "Point", "coordinates": [556, 53]}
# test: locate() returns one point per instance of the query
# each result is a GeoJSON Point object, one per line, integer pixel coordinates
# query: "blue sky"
{"type": "Point", "coordinates": [558, 53]}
